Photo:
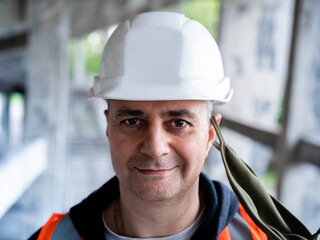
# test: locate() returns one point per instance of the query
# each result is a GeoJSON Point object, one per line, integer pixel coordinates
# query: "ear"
{"type": "Point", "coordinates": [212, 132]}
{"type": "Point", "coordinates": [106, 115]}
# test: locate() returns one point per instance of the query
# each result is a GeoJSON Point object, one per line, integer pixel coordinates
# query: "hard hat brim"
{"type": "Point", "coordinates": [117, 91]}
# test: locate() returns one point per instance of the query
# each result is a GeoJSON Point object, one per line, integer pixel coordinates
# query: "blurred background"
{"type": "Point", "coordinates": [53, 149]}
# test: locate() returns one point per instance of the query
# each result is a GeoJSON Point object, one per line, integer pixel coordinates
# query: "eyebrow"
{"type": "Point", "coordinates": [179, 113]}
{"type": "Point", "coordinates": [123, 112]}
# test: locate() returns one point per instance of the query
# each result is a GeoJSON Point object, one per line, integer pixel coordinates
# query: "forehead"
{"type": "Point", "coordinates": [193, 108]}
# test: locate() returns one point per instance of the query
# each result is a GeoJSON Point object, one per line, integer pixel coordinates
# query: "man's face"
{"type": "Point", "coordinates": [158, 148]}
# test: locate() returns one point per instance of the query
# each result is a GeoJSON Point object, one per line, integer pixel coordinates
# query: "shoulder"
{"type": "Point", "coordinates": [242, 227]}
{"type": "Point", "coordinates": [85, 218]}
{"type": "Point", "coordinates": [35, 235]}
{"type": "Point", "coordinates": [59, 226]}
{"type": "Point", "coordinates": [227, 215]}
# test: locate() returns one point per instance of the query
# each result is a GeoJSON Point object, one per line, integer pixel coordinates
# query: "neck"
{"type": "Point", "coordinates": [134, 217]}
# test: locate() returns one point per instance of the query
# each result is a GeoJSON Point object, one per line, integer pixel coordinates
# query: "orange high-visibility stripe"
{"type": "Point", "coordinates": [256, 232]}
{"type": "Point", "coordinates": [49, 228]}
{"type": "Point", "coordinates": [224, 235]}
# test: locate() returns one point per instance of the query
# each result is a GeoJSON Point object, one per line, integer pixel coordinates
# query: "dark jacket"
{"type": "Point", "coordinates": [221, 210]}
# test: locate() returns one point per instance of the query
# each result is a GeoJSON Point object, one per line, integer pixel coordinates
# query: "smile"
{"type": "Point", "coordinates": [155, 172]}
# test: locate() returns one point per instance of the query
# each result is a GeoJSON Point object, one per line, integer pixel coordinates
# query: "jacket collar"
{"type": "Point", "coordinates": [220, 207]}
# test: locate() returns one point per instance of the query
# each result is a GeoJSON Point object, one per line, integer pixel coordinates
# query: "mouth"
{"type": "Point", "coordinates": [155, 172]}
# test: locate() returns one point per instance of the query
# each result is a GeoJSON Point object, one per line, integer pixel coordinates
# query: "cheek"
{"type": "Point", "coordinates": [119, 158]}
{"type": "Point", "coordinates": [118, 148]}
{"type": "Point", "coordinates": [121, 149]}
{"type": "Point", "coordinates": [193, 149]}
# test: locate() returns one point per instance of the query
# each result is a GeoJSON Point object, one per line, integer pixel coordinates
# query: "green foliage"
{"type": "Point", "coordinates": [16, 98]}
{"type": "Point", "coordinates": [71, 58]}
{"type": "Point", "coordinates": [270, 179]}
{"type": "Point", "coordinates": [206, 12]}
{"type": "Point", "coordinates": [94, 43]}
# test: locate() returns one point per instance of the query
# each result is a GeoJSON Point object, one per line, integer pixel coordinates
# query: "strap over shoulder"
{"type": "Point", "coordinates": [267, 212]}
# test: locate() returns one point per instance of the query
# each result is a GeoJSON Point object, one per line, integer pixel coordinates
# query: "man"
{"type": "Point", "coordinates": [161, 74]}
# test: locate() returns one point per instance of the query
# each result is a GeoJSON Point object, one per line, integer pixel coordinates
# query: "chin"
{"type": "Point", "coordinates": [155, 191]}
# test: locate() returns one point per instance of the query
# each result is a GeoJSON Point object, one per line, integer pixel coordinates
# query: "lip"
{"type": "Point", "coordinates": [155, 172]}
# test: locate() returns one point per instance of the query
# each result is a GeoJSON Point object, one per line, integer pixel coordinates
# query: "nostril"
{"type": "Point", "coordinates": [155, 145]}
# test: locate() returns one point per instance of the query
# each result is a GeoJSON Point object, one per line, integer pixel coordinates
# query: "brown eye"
{"type": "Point", "coordinates": [179, 123]}
{"type": "Point", "coordinates": [132, 121]}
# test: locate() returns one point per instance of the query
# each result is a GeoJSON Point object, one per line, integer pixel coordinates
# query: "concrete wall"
{"type": "Point", "coordinates": [34, 39]}
{"type": "Point", "coordinates": [271, 53]}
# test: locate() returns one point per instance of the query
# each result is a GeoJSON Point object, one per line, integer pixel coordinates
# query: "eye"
{"type": "Point", "coordinates": [179, 123]}
{"type": "Point", "coordinates": [179, 127]}
{"type": "Point", "coordinates": [132, 121]}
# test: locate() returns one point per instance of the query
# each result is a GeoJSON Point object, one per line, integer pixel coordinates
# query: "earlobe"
{"type": "Point", "coordinates": [106, 115]}
{"type": "Point", "coordinates": [212, 132]}
{"type": "Point", "coordinates": [218, 117]}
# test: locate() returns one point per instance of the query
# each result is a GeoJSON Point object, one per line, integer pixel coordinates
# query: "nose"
{"type": "Point", "coordinates": [155, 143]}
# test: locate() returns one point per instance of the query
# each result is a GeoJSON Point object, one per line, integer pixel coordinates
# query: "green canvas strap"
{"type": "Point", "coordinates": [267, 212]}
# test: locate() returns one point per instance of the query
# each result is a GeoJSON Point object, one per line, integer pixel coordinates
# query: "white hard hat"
{"type": "Point", "coordinates": [161, 56]}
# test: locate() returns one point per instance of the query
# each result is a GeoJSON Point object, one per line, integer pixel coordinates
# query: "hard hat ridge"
{"type": "Point", "coordinates": [161, 56]}
{"type": "Point", "coordinates": [172, 20]}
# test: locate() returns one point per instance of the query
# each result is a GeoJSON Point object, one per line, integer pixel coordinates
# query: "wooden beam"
{"type": "Point", "coordinates": [13, 41]}
{"type": "Point", "coordinates": [87, 16]}
{"type": "Point", "coordinates": [284, 147]}
{"type": "Point", "coordinates": [308, 151]}
{"type": "Point", "coordinates": [12, 68]}
{"type": "Point", "coordinates": [266, 137]}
